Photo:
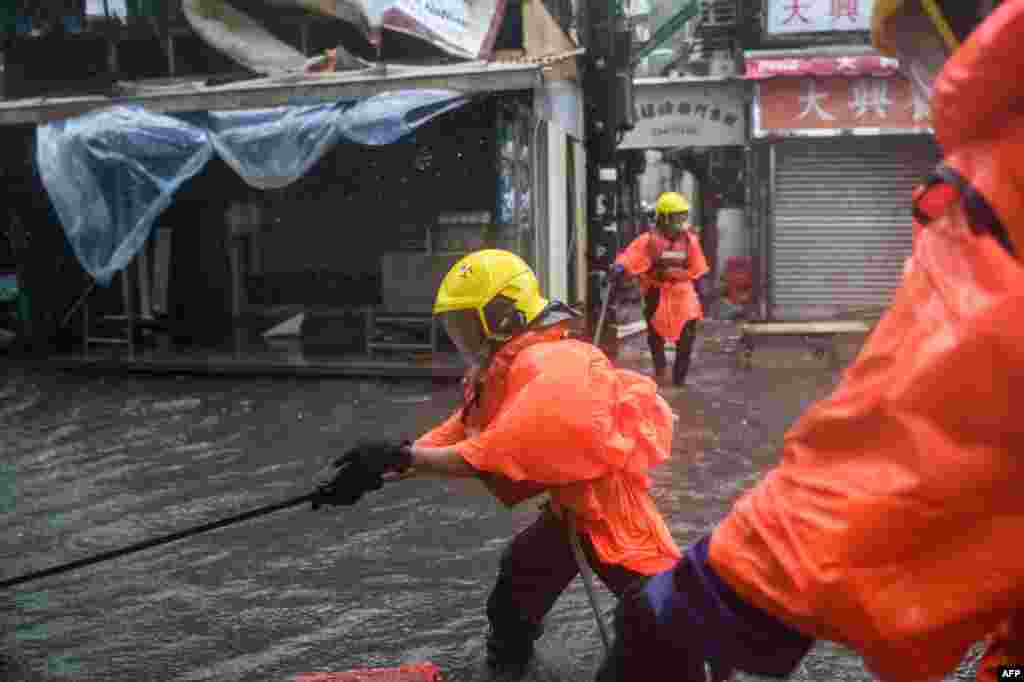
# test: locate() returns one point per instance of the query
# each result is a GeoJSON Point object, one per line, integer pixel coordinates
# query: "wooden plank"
{"type": "Point", "coordinates": [631, 328]}
{"type": "Point", "coordinates": [797, 328]}
{"type": "Point", "coordinates": [266, 92]}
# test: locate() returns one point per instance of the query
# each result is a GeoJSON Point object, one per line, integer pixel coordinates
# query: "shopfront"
{"type": "Point", "coordinates": [349, 224]}
{"type": "Point", "coordinates": [843, 142]}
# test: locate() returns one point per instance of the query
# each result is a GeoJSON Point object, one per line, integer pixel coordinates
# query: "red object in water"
{"type": "Point", "coordinates": [413, 672]}
{"type": "Point", "coordinates": [739, 280]}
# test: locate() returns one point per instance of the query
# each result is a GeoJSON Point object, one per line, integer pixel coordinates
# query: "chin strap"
{"type": "Point", "coordinates": [945, 186]}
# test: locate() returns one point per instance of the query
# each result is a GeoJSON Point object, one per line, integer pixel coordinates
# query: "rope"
{"type": "Point", "coordinates": [154, 542]}
{"type": "Point", "coordinates": [587, 573]}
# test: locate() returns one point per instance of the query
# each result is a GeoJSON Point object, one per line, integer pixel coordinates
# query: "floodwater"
{"type": "Point", "coordinates": [90, 465]}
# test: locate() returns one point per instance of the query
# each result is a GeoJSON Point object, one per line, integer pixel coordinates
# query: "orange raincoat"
{"type": "Point", "coordinates": [679, 302]}
{"type": "Point", "coordinates": [554, 414]}
{"type": "Point", "coordinates": [894, 522]}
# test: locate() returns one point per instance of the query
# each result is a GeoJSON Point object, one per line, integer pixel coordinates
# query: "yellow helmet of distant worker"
{"type": "Point", "coordinates": [671, 202]}
{"type": "Point", "coordinates": [489, 295]}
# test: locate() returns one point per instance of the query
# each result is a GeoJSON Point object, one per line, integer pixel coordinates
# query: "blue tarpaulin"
{"type": "Point", "coordinates": [110, 173]}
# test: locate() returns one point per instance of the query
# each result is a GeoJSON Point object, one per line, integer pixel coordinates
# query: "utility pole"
{"type": "Point", "coordinates": [608, 115]}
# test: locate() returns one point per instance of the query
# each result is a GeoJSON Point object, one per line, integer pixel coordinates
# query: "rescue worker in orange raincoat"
{"type": "Point", "coordinates": [668, 261]}
{"type": "Point", "coordinates": [541, 412]}
{"type": "Point", "coordinates": [893, 523]}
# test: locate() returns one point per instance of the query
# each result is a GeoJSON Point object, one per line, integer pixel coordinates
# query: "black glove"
{"type": "Point", "coordinates": [359, 471]}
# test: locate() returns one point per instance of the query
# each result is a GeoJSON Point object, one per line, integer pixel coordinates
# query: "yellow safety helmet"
{"type": "Point", "coordinates": [487, 296]}
{"type": "Point", "coordinates": [671, 202]}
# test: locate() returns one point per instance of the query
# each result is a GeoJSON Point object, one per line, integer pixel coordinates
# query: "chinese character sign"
{"type": "Point", "coordinates": [817, 16]}
{"type": "Point", "coordinates": [787, 104]}
{"type": "Point", "coordinates": [675, 114]}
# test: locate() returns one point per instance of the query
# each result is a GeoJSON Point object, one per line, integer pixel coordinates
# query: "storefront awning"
{"type": "Point", "coordinates": [185, 95]}
{"type": "Point", "coordinates": [112, 172]}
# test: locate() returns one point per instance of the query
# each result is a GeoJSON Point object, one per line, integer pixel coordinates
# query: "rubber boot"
{"type": "Point", "coordinates": [511, 648]}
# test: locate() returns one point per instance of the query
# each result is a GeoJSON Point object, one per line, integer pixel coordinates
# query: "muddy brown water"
{"type": "Point", "coordinates": [91, 464]}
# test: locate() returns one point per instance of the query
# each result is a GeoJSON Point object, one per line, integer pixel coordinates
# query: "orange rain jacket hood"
{"type": "Point", "coordinates": [894, 522]}
{"type": "Point", "coordinates": [679, 302]}
{"type": "Point", "coordinates": [553, 414]}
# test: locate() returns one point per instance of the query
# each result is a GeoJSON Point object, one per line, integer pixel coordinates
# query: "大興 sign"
{"type": "Point", "coordinates": [791, 105]}
{"type": "Point", "coordinates": [673, 114]}
{"type": "Point", "coordinates": [817, 16]}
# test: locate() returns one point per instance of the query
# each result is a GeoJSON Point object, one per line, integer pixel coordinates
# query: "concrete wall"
{"type": "Point", "coordinates": [557, 222]}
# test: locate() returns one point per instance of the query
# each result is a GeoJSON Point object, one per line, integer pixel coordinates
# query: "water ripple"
{"type": "Point", "coordinates": [401, 576]}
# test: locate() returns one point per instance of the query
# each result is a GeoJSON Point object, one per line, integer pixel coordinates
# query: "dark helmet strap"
{"type": "Point", "coordinates": [942, 187]}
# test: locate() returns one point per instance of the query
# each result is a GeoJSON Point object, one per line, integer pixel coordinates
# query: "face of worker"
{"type": "Point", "coordinates": [673, 224]}
{"type": "Point", "coordinates": [466, 332]}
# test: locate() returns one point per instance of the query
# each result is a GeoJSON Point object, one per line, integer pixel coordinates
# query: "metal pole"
{"type": "Point", "coordinates": [587, 574]}
{"type": "Point", "coordinates": [766, 237]}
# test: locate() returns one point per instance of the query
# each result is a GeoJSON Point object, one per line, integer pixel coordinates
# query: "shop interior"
{"type": "Point", "coordinates": [345, 260]}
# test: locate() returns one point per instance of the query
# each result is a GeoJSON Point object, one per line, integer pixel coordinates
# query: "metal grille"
{"type": "Point", "coordinates": [842, 221]}
{"type": "Point", "coordinates": [716, 13]}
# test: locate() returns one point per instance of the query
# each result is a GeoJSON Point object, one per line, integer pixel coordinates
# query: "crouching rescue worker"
{"type": "Point", "coordinates": [668, 260]}
{"type": "Point", "coordinates": [541, 412]}
{"type": "Point", "coordinates": [893, 523]}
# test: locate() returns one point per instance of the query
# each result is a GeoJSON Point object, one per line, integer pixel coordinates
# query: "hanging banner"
{"type": "Point", "coordinates": [861, 65]}
{"type": "Point", "coordinates": [673, 114]}
{"type": "Point", "coordinates": [786, 105]}
{"type": "Point", "coordinates": [463, 28]}
{"type": "Point", "coordinates": [816, 16]}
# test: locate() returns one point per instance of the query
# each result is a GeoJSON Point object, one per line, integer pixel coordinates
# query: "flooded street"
{"type": "Point", "coordinates": [92, 464]}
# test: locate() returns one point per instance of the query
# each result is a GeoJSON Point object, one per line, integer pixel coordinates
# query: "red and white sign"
{"type": "Point", "coordinates": [863, 65]}
{"type": "Point", "coordinates": [786, 105]}
{"type": "Point", "coordinates": [817, 16]}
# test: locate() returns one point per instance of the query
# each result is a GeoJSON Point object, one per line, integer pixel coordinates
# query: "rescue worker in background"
{"type": "Point", "coordinates": [668, 261]}
{"type": "Point", "coordinates": [541, 412]}
{"type": "Point", "coordinates": [893, 523]}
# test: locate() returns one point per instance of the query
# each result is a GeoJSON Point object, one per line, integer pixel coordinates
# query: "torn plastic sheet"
{"type": "Point", "coordinates": [110, 173]}
{"type": "Point", "coordinates": [392, 115]}
{"type": "Point", "coordinates": [272, 148]}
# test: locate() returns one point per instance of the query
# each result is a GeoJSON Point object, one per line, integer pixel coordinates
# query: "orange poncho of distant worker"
{"type": "Point", "coordinates": [668, 260]}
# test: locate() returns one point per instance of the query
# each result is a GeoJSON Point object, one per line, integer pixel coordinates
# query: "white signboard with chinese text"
{"type": "Point", "coordinates": [673, 114]}
{"type": "Point", "coordinates": [817, 16]}
{"type": "Point", "coordinates": [459, 27]}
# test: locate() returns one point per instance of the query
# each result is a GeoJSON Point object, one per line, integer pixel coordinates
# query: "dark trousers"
{"type": "Point", "coordinates": [684, 345]}
{"type": "Point", "coordinates": [535, 569]}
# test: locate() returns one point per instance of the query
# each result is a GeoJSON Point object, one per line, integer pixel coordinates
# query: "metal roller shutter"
{"type": "Point", "coordinates": [842, 221]}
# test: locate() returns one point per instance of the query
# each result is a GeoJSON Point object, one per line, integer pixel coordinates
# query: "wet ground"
{"type": "Point", "coordinates": [91, 464]}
